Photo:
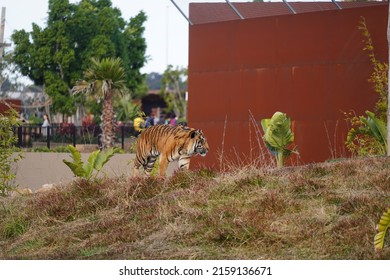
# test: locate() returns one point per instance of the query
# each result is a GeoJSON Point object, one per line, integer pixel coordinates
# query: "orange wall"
{"type": "Point", "coordinates": [311, 66]}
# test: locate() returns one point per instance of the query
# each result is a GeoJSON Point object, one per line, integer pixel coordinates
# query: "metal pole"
{"type": "Point", "coordinates": [234, 9]}
{"type": "Point", "coordinates": [20, 136]}
{"type": "Point", "coordinates": [337, 4]}
{"type": "Point", "coordinates": [123, 136]}
{"type": "Point", "coordinates": [48, 136]}
{"type": "Point", "coordinates": [182, 13]}
{"type": "Point", "coordinates": [2, 26]}
{"type": "Point", "coordinates": [74, 135]}
{"type": "Point", "coordinates": [290, 7]}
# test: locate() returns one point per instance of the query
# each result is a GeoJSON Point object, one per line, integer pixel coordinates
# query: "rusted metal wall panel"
{"type": "Point", "coordinates": [311, 66]}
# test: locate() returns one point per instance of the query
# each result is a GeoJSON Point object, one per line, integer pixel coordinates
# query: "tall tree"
{"type": "Point", "coordinates": [104, 80]}
{"type": "Point", "coordinates": [57, 55]}
{"type": "Point", "coordinates": [174, 89]}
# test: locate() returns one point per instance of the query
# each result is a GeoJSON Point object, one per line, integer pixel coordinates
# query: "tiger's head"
{"type": "Point", "coordinates": [199, 143]}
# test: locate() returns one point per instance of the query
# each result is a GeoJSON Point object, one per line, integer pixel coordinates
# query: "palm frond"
{"type": "Point", "coordinates": [82, 86]}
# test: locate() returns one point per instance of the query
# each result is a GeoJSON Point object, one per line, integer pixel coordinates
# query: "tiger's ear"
{"type": "Point", "coordinates": [193, 133]}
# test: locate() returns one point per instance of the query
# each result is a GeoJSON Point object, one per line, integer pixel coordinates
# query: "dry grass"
{"type": "Point", "coordinates": [319, 211]}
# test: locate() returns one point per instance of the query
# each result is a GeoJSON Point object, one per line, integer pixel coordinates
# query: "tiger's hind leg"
{"type": "Point", "coordinates": [136, 168]}
{"type": "Point", "coordinates": [148, 166]}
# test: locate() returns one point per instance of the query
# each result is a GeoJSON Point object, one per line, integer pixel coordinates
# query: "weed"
{"type": "Point", "coordinates": [14, 226]}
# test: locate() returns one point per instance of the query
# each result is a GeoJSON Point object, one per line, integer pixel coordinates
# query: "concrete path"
{"type": "Point", "coordinates": [38, 169]}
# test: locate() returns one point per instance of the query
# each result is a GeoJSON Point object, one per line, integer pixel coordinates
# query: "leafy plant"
{"type": "Point", "coordinates": [8, 154]}
{"type": "Point", "coordinates": [379, 75]}
{"type": "Point", "coordinates": [96, 161]}
{"type": "Point", "coordinates": [383, 226]}
{"type": "Point", "coordinates": [126, 110]}
{"type": "Point", "coordinates": [278, 136]}
{"type": "Point", "coordinates": [368, 137]}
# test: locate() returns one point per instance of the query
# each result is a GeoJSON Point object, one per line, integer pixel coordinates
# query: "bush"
{"type": "Point", "coordinates": [8, 154]}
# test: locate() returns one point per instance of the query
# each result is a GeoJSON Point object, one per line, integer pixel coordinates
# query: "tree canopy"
{"type": "Point", "coordinates": [56, 56]}
{"type": "Point", "coordinates": [173, 90]}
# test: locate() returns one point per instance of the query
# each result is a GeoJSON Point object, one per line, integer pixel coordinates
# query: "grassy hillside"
{"type": "Point", "coordinates": [319, 211]}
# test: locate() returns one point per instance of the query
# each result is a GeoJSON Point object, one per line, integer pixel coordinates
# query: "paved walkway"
{"type": "Point", "coordinates": [37, 169]}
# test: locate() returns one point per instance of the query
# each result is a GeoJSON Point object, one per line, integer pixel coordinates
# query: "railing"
{"type": "Point", "coordinates": [31, 136]}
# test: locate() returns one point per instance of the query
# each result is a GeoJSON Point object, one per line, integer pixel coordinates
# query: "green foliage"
{"type": "Point", "coordinates": [104, 80]}
{"type": "Point", "coordinates": [383, 226]}
{"type": "Point", "coordinates": [96, 161]}
{"type": "Point", "coordinates": [8, 154]}
{"type": "Point", "coordinates": [368, 136]}
{"type": "Point", "coordinates": [379, 75]}
{"type": "Point", "coordinates": [127, 110]}
{"type": "Point", "coordinates": [14, 226]}
{"type": "Point", "coordinates": [278, 136]}
{"type": "Point", "coordinates": [174, 88]}
{"type": "Point", "coordinates": [58, 54]}
{"type": "Point", "coordinates": [35, 120]}
{"type": "Point", "coordinates": [103, 77]}
{"type": "Point", "coordinates": [59, 149]}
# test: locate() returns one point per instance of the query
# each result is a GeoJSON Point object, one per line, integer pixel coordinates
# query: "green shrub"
{"type": "Point", "coordinates": [278, 136]}
{"type": "Point", "coordinates": [368, 136]}
{"type": "Point", "coordinates": [8, 152]}
{"type": "Point", "coordinates": [59, 149]}
{"type": "Point", "coordinates": [14, 226]}
{"type": "Point", "coordinates": [96, 161]}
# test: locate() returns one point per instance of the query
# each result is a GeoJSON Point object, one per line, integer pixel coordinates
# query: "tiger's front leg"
{"type": "Point", "coordinates": [163, 165]}
{"type": "Point", "coordinates": [184, 162]}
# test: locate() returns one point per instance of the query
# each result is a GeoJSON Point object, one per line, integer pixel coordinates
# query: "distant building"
{"type": "Point", "coordinates": [5, 105]}
{"type": "Point", "coordinates": [153, 103]}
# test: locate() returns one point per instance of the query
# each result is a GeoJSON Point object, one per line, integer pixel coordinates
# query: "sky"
{"type": "Point", "coordinates": [166, 30]}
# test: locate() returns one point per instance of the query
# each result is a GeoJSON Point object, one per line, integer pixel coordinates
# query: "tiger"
{"type": "Point", "coordinates": [171, 143]}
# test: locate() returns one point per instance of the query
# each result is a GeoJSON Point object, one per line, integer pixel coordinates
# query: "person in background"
{"type": "Point", "coordinates": [45, 125]}
{"type": "Point", "coordinates": [173, 120]}
{"type": "Point", "coordinates": [149, 121]}
{"type": "Point", "coordinates": [139, 124]}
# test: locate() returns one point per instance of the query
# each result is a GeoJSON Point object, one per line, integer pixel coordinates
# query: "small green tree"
{"type": "Point", "coordinates": [8, 155]}
{"type": "Point", "coordinates": [96, 161]}
{"type": "Point", "coordinates": [278, 136]}
{"type": "Point", "coordinates": [105, 79]}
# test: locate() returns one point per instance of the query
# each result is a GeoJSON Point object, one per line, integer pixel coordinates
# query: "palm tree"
{"type": "Point", "coordinates": [103, 80]}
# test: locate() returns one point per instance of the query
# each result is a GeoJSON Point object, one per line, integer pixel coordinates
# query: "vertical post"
{"type": "Point", "coordinates": [20, 136]}
{"type": "Point", "coordinates": [74, 135]}
{"type": "Point", "coordinates": [48, 136]}
{"type": "Point", "coordinates": [2, 26]}
{"type": "Point", "coordinates": [30, 142]}
{"type": "Point", "coordinates": [123, 136]}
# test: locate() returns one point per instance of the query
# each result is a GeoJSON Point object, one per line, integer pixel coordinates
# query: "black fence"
{"type": "Point", "coordinates": [31, 136]}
